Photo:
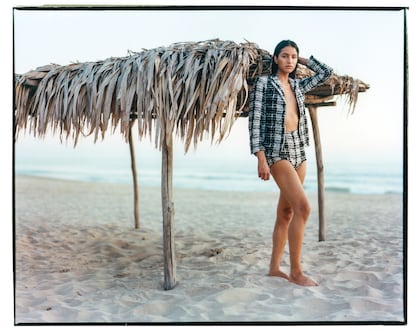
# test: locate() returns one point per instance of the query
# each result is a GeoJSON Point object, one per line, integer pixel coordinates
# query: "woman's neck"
{"type": "Point", "coordinates": [283, 77]}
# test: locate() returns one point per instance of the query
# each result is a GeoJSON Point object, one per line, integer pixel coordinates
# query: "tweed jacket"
{"type": "Point", "coordinates": [267, 109]}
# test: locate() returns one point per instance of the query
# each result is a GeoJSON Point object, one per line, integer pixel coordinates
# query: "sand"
{"type": "Point", "coordinates": [79, 259]}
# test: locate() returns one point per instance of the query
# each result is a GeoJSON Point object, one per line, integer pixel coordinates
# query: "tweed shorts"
{"type": "Point", "coordinates": [292, 151]}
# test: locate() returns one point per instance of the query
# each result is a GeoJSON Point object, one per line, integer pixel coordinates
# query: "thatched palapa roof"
{"type": "Point", "coordinates": [192, 89]}
{"type": "Point", "coordinates": [188, 88]}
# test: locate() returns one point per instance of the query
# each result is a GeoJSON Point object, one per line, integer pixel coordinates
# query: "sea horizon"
{"type": "Point", "coordinates": [203, 174]}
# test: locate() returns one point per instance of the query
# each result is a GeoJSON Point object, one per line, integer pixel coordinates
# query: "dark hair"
{"type": "Point", "coordinates": [278, 49]}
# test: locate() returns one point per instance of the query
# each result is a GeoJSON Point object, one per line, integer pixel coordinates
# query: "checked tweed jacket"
{"type": "Point", "coordinates": [267, 109]}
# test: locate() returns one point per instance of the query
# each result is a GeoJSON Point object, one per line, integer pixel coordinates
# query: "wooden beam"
{"type": "Point", "coordinates": [134, 175]}
{"type": "Point", "coordinates": [168, 213]}
{"type": "Point", "coordinates": [320, 104]}
{"type": "Point", "coordinates": [312, 99]}
{"type": "Point", "coordinates": [319, 162]}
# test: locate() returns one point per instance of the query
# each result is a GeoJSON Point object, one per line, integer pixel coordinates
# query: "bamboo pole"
{"type": "Point", "coordinates": [168, 213]}
{"type": "Point", "coordinates": [134, 176]}
{"type": "Point", "coordinates": [313, 110]}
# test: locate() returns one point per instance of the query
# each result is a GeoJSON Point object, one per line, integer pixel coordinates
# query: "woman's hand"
{"type": "Point", "coordinates": [303, 61]}
{"type": "Point", "coordinates": [263, 170]}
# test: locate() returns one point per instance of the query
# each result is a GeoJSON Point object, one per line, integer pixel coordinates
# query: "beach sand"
{"type": "Point", "coordinates": [79, 259]}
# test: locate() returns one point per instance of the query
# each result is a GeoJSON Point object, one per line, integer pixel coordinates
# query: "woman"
{"type": "Point", "coordinates": [278, 133]}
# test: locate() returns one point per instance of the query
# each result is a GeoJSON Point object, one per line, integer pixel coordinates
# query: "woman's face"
{"type": "Point", "coordinates": [287, 60]}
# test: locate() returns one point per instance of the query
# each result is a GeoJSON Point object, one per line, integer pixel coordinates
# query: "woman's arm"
{"type": "Point", "coordinates": [322, 73]}
{"type": "Point", "coordinates": [255, 114]}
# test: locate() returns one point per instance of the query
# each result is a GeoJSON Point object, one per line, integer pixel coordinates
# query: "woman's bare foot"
{"type": "Point", "coordinates": [278, 273]}
{"type": "Point", "coordinates": [302, 280]}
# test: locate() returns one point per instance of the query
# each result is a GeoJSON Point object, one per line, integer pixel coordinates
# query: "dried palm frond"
{"type": "Point", "coordinates": [192, 89]}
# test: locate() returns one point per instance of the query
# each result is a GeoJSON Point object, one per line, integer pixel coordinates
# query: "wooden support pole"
{"type": "Point", "coordinates": [134, 176]}
{"type": "Point", "coordinates": [319, 162]}
{"type": "Point", "coordinates": [168, 213]}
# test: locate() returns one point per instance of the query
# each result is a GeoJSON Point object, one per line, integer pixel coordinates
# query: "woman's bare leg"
{"type": "Point", "coordinates": [280, 235]}
{"type": "Point", "coordinates": [290, 183]}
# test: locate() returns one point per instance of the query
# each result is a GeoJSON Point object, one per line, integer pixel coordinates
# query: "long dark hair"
{"type": "Point", "coordinates": [278, 49]}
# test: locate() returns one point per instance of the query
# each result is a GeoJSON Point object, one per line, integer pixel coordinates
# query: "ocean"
{"type": "Point", "coordinates": [195, 171]}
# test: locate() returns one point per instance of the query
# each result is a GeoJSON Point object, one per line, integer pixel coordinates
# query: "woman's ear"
{"type": "Point", "coordinates": [275, 59]}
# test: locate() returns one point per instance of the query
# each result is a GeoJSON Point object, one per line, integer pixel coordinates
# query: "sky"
{"type": "Point", "coordinates": [355, 43]}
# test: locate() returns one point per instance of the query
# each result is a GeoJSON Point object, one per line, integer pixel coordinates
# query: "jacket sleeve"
{"type": "Point", "coordinates": [322, 73]}
{"type": "Point", "coordinates": [255, 115]}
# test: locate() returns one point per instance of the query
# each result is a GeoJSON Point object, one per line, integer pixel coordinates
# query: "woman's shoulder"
{"type": "Point", "coordinates": [262, 79]}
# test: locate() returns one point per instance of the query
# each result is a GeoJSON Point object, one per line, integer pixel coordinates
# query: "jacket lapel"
{"type": "Point", "coordinates": [298, 94]}
{"type": "Point", "coordinates": [275, 82]}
